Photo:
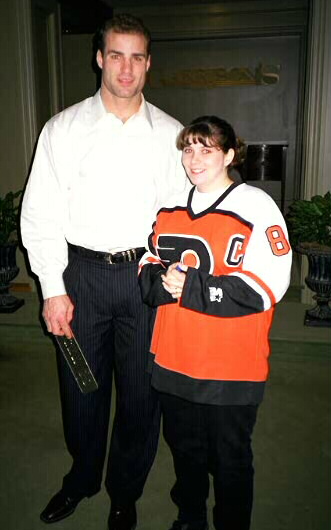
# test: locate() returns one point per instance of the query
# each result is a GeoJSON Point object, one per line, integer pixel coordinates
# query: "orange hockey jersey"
{"type": "Point", "coordinates": [212, 346]}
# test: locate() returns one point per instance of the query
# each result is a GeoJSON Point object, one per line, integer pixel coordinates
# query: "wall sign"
{"type": "Point", "coordinates": [215, 77]}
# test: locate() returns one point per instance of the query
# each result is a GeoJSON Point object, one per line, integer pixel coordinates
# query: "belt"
{"type": "Point", "coordinates": [132, 254]}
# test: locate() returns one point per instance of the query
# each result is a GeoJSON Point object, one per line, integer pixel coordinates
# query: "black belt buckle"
{"type": "Point", "coordinates": [129, 255]}
{"type": "Point", "coordinates": [124, 255]}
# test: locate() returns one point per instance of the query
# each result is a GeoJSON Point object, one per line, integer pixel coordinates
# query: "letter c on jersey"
{"type": "Point", "coordinates": [234, 253]}
{"type": "Point", "coordinates": [190, 250]}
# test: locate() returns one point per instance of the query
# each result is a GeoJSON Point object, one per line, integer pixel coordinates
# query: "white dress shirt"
{"type": "Point", "coordinates": [97, 182]}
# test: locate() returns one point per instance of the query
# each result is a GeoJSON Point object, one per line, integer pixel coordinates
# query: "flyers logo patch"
{"type": "Point", "coordinates": [193, 251]}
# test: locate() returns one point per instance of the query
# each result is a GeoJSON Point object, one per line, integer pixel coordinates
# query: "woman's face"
{"type": "Point", "coordinates": [206, 167]}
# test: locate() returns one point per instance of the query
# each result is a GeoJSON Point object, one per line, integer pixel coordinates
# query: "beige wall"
{"type": "Point", "coordinates": [13, 159]}
{"type": "Point", "coordinates": [79, 78]}
{"type": "Point", "coordinates": [258, 113]}
{"type": "Point", "coordinates": [17, 126]}
{"type": "Point", "coordinates": [18, 89]}
{"type": "Point", "coordinates": [13, 170]}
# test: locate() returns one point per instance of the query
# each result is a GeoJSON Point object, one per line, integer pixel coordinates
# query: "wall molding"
{"type": "Point", "coordinates": [26, 77]}
{"type": "Point", "coordinates": [221, 19]}
{"type": "Point", "coordinates": [317, 123]}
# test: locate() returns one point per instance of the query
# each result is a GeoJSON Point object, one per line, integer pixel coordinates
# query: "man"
{"type": "Point", "coordinates": [102, 169]}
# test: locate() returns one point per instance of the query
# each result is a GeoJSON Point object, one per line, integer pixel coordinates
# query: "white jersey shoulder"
{"type": "Point", "coordinates": [250, 203]}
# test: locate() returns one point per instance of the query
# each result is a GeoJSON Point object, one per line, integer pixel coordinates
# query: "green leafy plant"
{"type": "Point", "coordinates": [309, 222]}
{"type": "Point", "coordinates": [9, 205]}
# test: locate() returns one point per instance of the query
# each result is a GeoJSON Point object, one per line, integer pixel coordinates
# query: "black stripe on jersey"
{"type": "Point", "coordinates": [150, 240]}
{"type": "Point", "coordinates": [207, 391]}
{"type": "Point", "coordinates": [230, 214]}
{"type": "Point", "coordinates": [223, 296]}
{"type": "Point", "coordinates": [212, 207]}
{"type": "Point", "coordinates": [172, 209]}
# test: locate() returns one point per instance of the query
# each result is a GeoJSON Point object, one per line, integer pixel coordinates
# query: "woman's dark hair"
{"type": "Point", "coordinates": [212, 131]}
{"type": "Point", "coordinates": [122, 23]}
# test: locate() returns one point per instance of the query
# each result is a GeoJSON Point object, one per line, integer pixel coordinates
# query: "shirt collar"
{"type": "Point", "coordinates": [98, 111]}
{"type": "Point", "coordinates": [144, 113]}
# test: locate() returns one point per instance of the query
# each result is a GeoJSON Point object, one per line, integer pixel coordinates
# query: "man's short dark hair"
{"type": "Point", "coordinates": [123, 23]}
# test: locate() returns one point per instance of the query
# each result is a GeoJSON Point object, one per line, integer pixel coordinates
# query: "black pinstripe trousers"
{"type": "Point", "coordinates": [114, 328]}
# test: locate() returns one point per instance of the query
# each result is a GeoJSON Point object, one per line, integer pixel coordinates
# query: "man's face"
{"type": "Point", "coordinates": [124, 63]}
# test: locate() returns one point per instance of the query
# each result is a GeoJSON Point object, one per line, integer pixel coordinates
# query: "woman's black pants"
{"type": "Point", "coordinates": [211, 439]}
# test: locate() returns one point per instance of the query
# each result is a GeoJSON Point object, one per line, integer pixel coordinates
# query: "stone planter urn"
{"type": "Point", "coordinates": [319, 281]}
{"type": "Point", "coordinates": [8, 271]}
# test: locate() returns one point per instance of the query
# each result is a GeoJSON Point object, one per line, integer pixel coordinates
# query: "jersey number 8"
{"type": "Point", "coordinates": [278, 242]}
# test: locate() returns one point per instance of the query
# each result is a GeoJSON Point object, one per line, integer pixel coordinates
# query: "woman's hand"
{"type": "Point", "coordinates": [173, 281]}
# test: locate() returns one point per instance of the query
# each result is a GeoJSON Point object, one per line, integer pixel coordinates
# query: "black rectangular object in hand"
{"type": "Point", "coordinates": [77, 363]}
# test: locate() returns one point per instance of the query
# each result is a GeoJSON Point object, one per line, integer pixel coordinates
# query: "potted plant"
{"type": "Point", "coordinates": [309, 225]}
{"type": "Point", "coordinates": [9, 206]}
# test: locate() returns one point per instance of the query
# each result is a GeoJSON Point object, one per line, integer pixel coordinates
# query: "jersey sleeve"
{"type": "Point", "coordinates": [258, 284]}
{"type": "Point", "coordinates": [150, 270]}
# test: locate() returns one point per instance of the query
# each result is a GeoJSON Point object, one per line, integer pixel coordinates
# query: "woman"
{"type": "Point", "coordinates": [219, 261]}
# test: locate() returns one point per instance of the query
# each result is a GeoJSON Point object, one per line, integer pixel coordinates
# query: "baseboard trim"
{"type": "Point", "coordinates": [21, 287]}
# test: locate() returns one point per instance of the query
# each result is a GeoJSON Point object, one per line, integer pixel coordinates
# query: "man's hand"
{"type": "Point", "coordinates": [58, 313]}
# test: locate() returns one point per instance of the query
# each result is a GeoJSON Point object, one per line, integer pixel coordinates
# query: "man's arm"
{"type": "Point", "coordinates": [42, 227]}
{"type": "Point", "coordinates": [43, 218]}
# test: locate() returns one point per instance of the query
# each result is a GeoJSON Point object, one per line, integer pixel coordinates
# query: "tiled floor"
{"type": "Point", "coordinates": [292, 439]}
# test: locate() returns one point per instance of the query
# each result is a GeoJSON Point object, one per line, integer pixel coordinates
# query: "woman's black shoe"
{"type": "Point", "coordinates": [122, 518]}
